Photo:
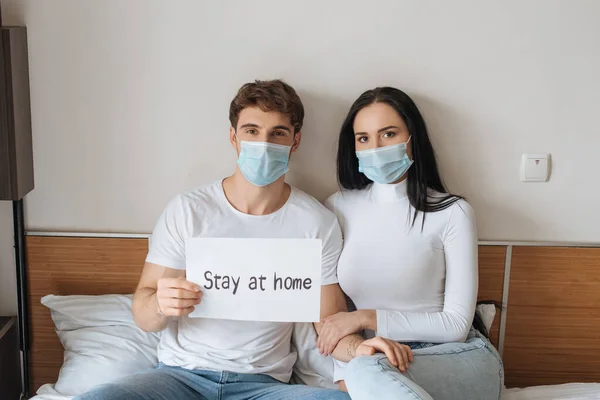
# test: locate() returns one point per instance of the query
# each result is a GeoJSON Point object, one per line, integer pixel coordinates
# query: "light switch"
{"type": "Point", "coordinates": [535, 167]}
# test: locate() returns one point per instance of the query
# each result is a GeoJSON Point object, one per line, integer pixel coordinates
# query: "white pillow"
{"type": "Point", "coordinates": [311, 368]}
{"type": "Point", "coordinates": [487, 313]}
{"type": "Point", "coordinates": [102, 342]}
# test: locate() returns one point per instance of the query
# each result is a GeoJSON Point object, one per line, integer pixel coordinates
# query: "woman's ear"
{"type": "Point", "coordinates": [297, 138]}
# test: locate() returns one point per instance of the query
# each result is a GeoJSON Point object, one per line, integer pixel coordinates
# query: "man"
{"type": "Point", "coordinates": [223, 359]}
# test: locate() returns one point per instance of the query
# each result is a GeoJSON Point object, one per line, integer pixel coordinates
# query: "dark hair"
{"type": "Point", "coordinates": [273, 95]}
{"type": "Point", "coordinates": [423, 175]}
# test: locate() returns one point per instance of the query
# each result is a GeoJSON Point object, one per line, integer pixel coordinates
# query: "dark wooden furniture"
{"type": "Point", "coordinates": [10, 363]}
{"type": "Point", "coordinates": [16, 154]}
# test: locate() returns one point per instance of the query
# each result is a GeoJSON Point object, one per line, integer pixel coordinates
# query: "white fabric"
{"type": "Point", "coordinates": [101, 341]}
{"type": "Point", "coordinates": [570, 391]}
{"type": "Point", "coordinates": [47, 392]}
{"type": "Point", "coordinates": [422, 283]}
{"type": "Point", "coordinates": [487, 313]}
{"type": "Point", "coordinates": [311, 368]}
{"type": "Point", "coordinates": [237, 346]}
{"type": "Point", "coordinates": [75, 312]}
{"type": "Point", "coordinates": [339, 369]}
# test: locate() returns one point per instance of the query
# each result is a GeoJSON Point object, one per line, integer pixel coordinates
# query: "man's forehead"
{"type": "Point", "coordinates": [264, 119]}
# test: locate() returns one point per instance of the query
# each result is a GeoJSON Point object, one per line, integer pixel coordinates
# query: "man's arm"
{"type": "Point", "coordinates": [162, 292]}
{"type": "Point", "coordinates": [333, 302]}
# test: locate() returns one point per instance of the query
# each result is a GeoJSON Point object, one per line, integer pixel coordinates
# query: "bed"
{"type": "Point", "coordinates": [550, 296]}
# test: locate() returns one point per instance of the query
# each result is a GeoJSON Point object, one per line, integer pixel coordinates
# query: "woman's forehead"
{"type": "Point", "coordinates": [376, 116]}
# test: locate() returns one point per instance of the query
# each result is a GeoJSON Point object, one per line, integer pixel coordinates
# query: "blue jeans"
{"type": "Point", "coordinates": [174, 383]}
{"type": "Point", "coordinates": [467, 371]}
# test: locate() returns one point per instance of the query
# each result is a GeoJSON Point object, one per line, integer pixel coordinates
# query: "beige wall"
{"type": "Point", "coordinates": [130, 99]}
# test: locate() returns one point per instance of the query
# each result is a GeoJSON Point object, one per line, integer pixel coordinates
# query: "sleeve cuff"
{"type": "Point", "coordinates": [166, 262]}
{"type": "Point", "coordinates": [332, 280]}
{"type": "Point", "coordinates": [382, 323]}
{"type": "Point", "coordinates": [339, 370]}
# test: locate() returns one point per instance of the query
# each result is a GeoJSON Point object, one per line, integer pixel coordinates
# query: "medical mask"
{"type": "Point", "coordinates": [262, 163]}
{"type": "Point", "coordinates": [384, 164]}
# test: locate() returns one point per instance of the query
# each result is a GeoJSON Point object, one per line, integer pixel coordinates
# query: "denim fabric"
{"type": "Point", "coordinates": [174, 383]}
{"type": "Point", "coordinates": [450, 371]}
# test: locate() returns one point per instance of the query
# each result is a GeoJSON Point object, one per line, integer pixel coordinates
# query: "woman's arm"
{"type": "Point", "coordinates": [453, 323]}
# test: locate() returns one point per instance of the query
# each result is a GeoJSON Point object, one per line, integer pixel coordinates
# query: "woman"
{"type": "Point", "coordinates": [409, 262]}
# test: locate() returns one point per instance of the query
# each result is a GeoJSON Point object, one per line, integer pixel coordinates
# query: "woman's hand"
{"type": "Point", "coordinates": [335, 328]}
{"type": "Point", "coordinates": [398, 354]}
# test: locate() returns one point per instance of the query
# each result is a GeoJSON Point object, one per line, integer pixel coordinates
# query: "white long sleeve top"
{"type": "Point", "coordinates": [422, 283]}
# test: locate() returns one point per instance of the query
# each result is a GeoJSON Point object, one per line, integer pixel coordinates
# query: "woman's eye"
{"type": "Point", "coordinates": [389, 135]}
{"type": "Point", "coordinates": [363, 139]}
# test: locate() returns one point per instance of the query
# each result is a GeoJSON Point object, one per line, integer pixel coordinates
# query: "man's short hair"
{"type": "Point", "coordinates": [273, 95]}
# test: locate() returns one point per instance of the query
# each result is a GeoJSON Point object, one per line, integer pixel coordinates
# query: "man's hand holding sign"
{"type": "Point", "coordinates": [176, 297]}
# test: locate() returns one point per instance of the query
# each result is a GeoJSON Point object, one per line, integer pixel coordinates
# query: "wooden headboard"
{"type": "Point", "coordinates": [68, 266]}
{"type": "Point", "coordinates": [552, 308]}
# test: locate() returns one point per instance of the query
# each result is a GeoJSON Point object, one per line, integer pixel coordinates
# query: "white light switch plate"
{"type": "Point", "coordinates": [535, 167]}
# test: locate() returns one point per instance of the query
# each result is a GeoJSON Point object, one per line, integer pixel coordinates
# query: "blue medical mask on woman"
{"type": "Point", "coordinates": [262, 163]}
{"type": "Point", "coordinates": [384, 164]}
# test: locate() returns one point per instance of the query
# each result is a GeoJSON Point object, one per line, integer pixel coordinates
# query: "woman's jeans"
{"type": "Point", "coordinates": [467, 371]}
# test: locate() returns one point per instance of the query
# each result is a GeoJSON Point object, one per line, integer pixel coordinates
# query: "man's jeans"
{"type": "Point", "coordinates": [174, 383]}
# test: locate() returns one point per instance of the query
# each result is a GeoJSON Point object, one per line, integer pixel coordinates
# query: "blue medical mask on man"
{"type": "Point", "coordinates": [262, 163]}
{"type": "Point", "coordinates": [384, 164]}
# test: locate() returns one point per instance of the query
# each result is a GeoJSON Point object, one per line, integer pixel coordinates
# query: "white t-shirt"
{"type": "Point", "coordinates": [226, 345]}
{"type": "Point", "coordinates": [422, 284]}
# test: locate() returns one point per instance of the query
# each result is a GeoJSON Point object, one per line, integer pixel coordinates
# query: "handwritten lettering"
{"type": "Point", "coordinates": [226, 281]}
{"type": "Point", "coordinates": [290, 283]}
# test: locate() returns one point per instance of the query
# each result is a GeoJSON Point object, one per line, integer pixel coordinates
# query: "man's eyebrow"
{"type": "Point", "coordinates": [282, 127]}
{"type": "Point", "coordinates": [250, 125]}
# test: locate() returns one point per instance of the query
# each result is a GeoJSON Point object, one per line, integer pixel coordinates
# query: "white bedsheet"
{"type": "Point", "coordinates": [571, 391]}
{"type": "Point", "coordinates": [47, 392]}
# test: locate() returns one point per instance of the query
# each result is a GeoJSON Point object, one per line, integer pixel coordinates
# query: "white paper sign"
{"type": "Point", "coordinates": [256, 279]}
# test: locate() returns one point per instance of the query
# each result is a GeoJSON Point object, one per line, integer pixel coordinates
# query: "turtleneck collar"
{"type": "Point", "coordinates": [389, 193]}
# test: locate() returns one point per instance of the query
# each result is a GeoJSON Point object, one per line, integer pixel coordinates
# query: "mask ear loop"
{"type": "Point", "coordinates": [407, 142]}
{"type": "Point", "coordinates": [237, 142]}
